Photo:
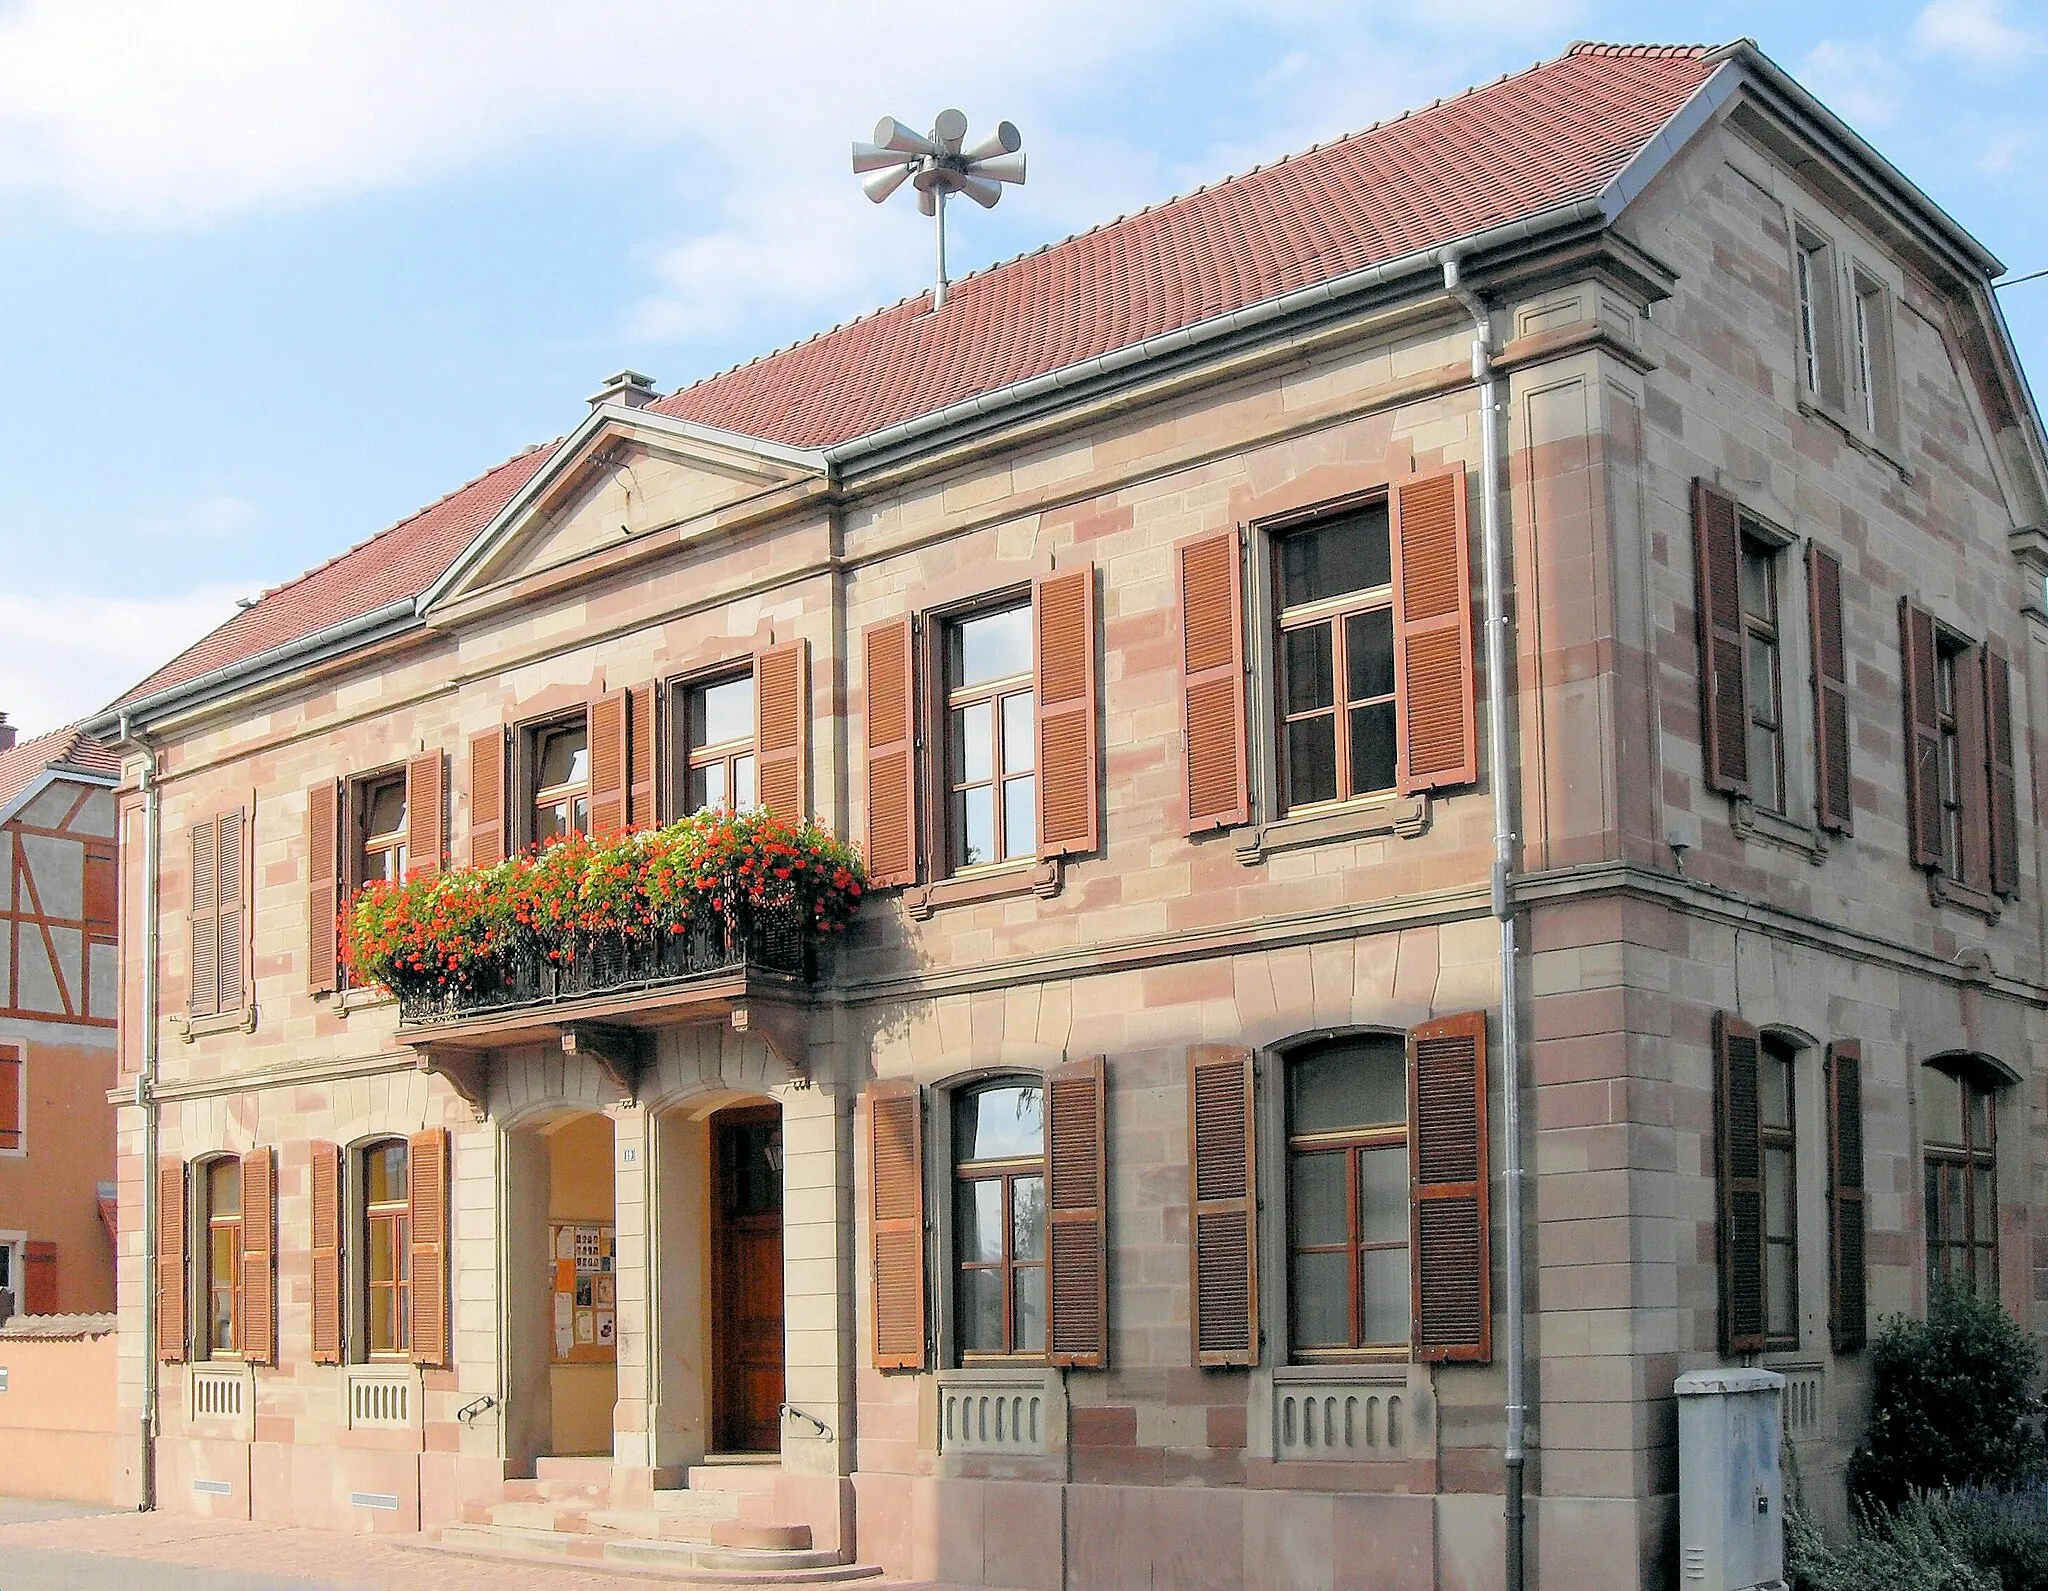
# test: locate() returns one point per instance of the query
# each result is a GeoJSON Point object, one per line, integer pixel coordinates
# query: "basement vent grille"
{"type": "Point", "coordinates": [217, 1395]}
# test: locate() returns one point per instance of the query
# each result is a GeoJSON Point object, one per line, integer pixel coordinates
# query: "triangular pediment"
{"type": "Point", "coordinates": [625, 477]}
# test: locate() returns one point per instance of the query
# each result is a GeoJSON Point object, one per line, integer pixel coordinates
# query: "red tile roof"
{"type": "Point", "coordinates": [68, 747]}
{"type": "Point", "coordinates": [1526, 143]}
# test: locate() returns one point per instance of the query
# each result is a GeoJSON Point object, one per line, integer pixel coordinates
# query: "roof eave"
{"type": "Point", "coordinates": [52, 774]}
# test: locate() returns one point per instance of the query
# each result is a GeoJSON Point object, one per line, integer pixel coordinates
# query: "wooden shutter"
{"type": "Point", "coordinates": [896, 1222]}
{"type": "Point", "coordinates": [1063, 628]}
{"type": "Point", "coordinates": [782, 729]}
{"type": "Point", "coordinates": [203, 996]}
{"type": "Point", "coordinates": [171, 1322]}
{"type": "Point", "coordinates": [1739, 1174]}
{"type": "Point", "coordinates": [259, 1256]}
{"type": "Point", "coordinates": [1437, 728]}
{"type": "Point", "coordinates": [427, 1190]}
{"type": "Point", "coordinates": [326, 1244]}
{"type": "Point", "coordinates": [1847, 1289]}
{"type": "Point", "coordinates": [643, 798]}
{"type": "Point", "coordinates": [1450, 1205]}
{"type": "Point", "coordinates": [11, 1112]}
{"type": "Point", "coordinates": [39, 1277]}
{"type": "Point", "coordinates": [426, 815]}
{"type": "Point", "coordinates": [323, 883]}
{"type": "Point", "coordinates": [2004, 814]}
{"type": "Point", "coordinates": [608, 774]}
{"type": "Point", "coordinates": [892, 753]}
{"type": "Point", "coordinates": [1077, 1174]}
{"type": "Point", "coordinates": [232, 879]}
{"type": "Point", "coordinates": [1923, 735]}
{"type": "Point", "coordinates": [1223, 1206]}
{"type": "Point", "coordinates": [1212, 681]}
{"type": "Point", "coordinates": [1834, 805]}
{"type": "Point", "coordinates": [1724, 654]}
{"type": "Point", "coordinates": [487, 831]}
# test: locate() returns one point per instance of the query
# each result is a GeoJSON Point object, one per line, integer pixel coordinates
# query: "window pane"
{"type": "Point", "coordinates": [383, 1321]}
{"type": "Point", "coordinates": [973, 749]}
{"type": "Point", "coordinates": [387, 807]}
{"type": "Point", "coordinates": [1357, 1083]}
{"type": "Point", "coordinates": [1756, 581]}
{"type": "Point", "coordinates": [1931, 1200]}
{"type": "Point", "coordinates": [1383, 1195]}
{"type": "Point", "coordinates": [1987, 1205]}
{"type": "Point", "coordinates": [1980, 1102]}
{"type": "Point", "coordinates": [722, 712]}
{"type": "Point", "coordinates": [1369, 654]}
{"type": "Point", "coordinates": [1955, 1224]}
{"type": "Point", "coordinates": [1020, 750]}
{"type": "Point", "coordinates": [403, 1311]}
{"type": "Point", "coordinates": [1941, 1107]}
{"type": "Point", "coordinates": [1002, 1122]}
{"type": "Point", "coordinates": [707, 786]}
{"type": "Point", "coordinates": [1316, 1197]}
{"type": "Point", "coordinates": [981, 1311]}
{"type": "Point", "coordinates": [978, 1222]}
{"type": "Point", "coordinates": [1763, 680]}
{"type": "Point", "coordinates": [1372, 748]}
{"type": "Point", "coordinates": [384, 1174]}
{"type": "Point", "coordinates": [564, 757]}
{"type": "Point", "coordinates": [1029, 1292]}
{"type": "Point", "coordinates": [1020, 817]}
{"type": "Point", "coordinates": [1383, 1297]}
{"type": "Point", "coordinates": [974, 826]}
{"type": "Point", "coordinates": [383, 1257]}
{"type": "Point", "coordinates": [224, 1188]}
{"type": "Point", "coordinates": [1317, 1307]}
{"type": "Point", "coordinates": [743, 797]}
{"type": "Point", "coordinates": [993, 646]}
{"type": "Point", "coordinates": [1352, 553]}
{"type": "Point", "coordinates": [550, 822]}
{"type": "Point", "coordinates": [1781, 1292]}
{"type": "Point", "coordinates": [1774, 1086]}
{"type": "Point", "coordinates": [1306, 662]}
{"type": "Point", "coordinates": [1763, 769]}
{"type": "Point", "coordinates": [1312, 760]}
{"type": "Point", "coordinates": [1027, 1218]}
{"type": "Point", "coordinates": [1777, 1192]}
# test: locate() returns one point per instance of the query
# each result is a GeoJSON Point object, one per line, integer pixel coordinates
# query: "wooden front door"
{"type": "Point", "coordinates": [746, 1311]}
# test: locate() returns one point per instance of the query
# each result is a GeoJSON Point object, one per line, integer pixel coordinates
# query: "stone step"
{"type": "Point", "coordinates": [655, 1524]}
{"type": "Point", "coordinates": [565, 1519]}
{"type": "Point", "coordinates": [584, 1471]}
{"type": "Point", "coordinates": [556, 1491]}
{"type": "Point", "coordinates": [745, 1476]}
{"type": "Point", "coordinates": [763, 1538]}
{"type": "Point", "coordinates": [674, 1561]}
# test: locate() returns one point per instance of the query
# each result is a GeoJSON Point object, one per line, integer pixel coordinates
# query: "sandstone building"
{"type": "Point", "coordinates": [1130, 1199]}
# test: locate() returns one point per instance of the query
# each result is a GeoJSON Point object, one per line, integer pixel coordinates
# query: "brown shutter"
{"type": "Point", "coordinates": [171, 1323]}
{"type": "Point", "coordinates": [39, 1277]}
{"type": "Point", "coordinates": [1847, 1290]}
{"type": "Point", "coordinates": [1438, 721]}
{"type": "Point", "coordinates": [1923, 735]}
{"type": "Point", "coordinates": [1724, 695]}
{"type": "Point", "coordinates": [232, 879]}
{"type": "Point", "coordinates": [11, 1070]}
{"type": "Point", "coordinates": [1450, 1205]}
{"type": "Point", "coordinates": [259, 1256]}
{"type": "Point", "coordinates": [896, 1222]}
{"type": "Point", "coordinates": [323, 869]}
{"type": "Point", "coordinates": [1212, 681]}
{"type": "Point", "coordinates": [1063, 626]}
{"type": "Point", "coordinates": [1077, 1168]}
{"type": "Point", "coordinates": [1739, 1173]}
{"type": "Point", "coordinates": [892, 753]}
{"type": "Point", "coordinates": [487, 832]}
{"type": "Point", "coordinates": [1223, 1206]}
{"type": "Point", "coordinates": [608, 776]}
{"type": "Point", "coordinates": [326, 1243]}
{"type": "Point", "coordinates": [782, 724]}
{"type": "Point", "coordinates": [427, 1175]}
{"type": "Point", "coordinates": [2003, 814]}
{"type": "Point", "coordinates": [203, 997]}
{"type": "Point", "coordinates": [426, 815]}
{"type": "Point", "coordinates": [643, 806]}
{"type": "Point", "coordinates": [1834, 805]}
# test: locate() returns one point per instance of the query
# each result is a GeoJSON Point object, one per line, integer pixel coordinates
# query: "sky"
{"type": "Point", "coordinates": [273, 276]}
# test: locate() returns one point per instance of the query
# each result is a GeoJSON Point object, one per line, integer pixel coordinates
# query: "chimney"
{"type": "Point", "coordinates": [6, 734]}
{"type": "Point", "coordinates": [628, 387]}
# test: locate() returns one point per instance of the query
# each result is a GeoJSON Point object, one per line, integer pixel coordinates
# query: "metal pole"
{"type": "Point", "coordinates": [939, 209]}
{"type": "Point", "coordinates": [145, 1097]}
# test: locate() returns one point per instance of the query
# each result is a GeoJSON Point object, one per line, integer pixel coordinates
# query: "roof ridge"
{"type": "Point", "coordinates": [1663, 52]}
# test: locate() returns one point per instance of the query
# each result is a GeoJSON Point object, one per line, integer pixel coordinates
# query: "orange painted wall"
{"type": "Point", "coordinates": [51, 1191]}
{"type": "Point", "coordinates": [61, 1432]}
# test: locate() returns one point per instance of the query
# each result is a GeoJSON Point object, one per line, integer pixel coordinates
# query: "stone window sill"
{"type": "Point", "coordinates": [1752, 822]}
{"type": "Point", "coordinates": [1945, 891]}
{"type": "Point", "coordinates": [1042, 879]}
{"type": "Point", "coordinates": [1863, 441]}
{"type": "Point", "coordinates": [346, 1002]}
{"type": "Point", "coordinates": [1406, 816]}
{"type": "Point", "coordinates": [199, 1027]}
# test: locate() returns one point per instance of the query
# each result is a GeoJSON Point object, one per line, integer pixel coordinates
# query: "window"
{"type": "Point", "coordinates": [217, 964]}
{"type": "Point", "coordinates": [1347, 1199]}
{"type": "Point", "coordinates": [1336, 667]}
{"type": "Point", "coordinates": [991, 734]}
{"type": "Point", "coordinates": [1819, 339]}
{"type": "Point", "coordinates": [999, 1219]}
{"type": "Point", "coordinates": [1867, 306]}
{"type": "Point", "coordinates": [1781, 1193]}
{"type": "Point", "coordinates": [561, 780]}
{"type": "Point", "coordinates": [1959, 1121]}
{"type": "Point", "coordinates": [387, 1250]}
{"type": "Point", "coordinates": [381, 829]}
{"type": "Point", "coordinates": [1949, 759]}
{"type": "Point", "coordinates": [1762, 668]}
{"type": "Point", "coordinates": [718, 744]}
{"type": "Point", "coordinates": [222, 1190]}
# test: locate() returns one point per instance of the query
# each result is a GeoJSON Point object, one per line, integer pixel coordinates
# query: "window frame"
{"type": "Point", "coordinates": [211, 1223]}
{"type": "Point", "coordinates": [532, 737]}
{"type": "Point", "coordinates": [673, 751]}
{"type": "Point", "coordinates": [933, 713]}
{"type": "Point", "coordinates": [1817, 317]}
{"type": "Point", "coordinates": [1009, 1170]}
{"type": "Point", "coordinates": [1972, 1164]}
{"type": "Point", "coordinates": [1767, 630]}
{"type": "Point", "coordinates": [362, 790]}
{"type": "Point", "coordinates": [358, 1247]}
{"type": "Point", "coordinates": [1785, 1138]}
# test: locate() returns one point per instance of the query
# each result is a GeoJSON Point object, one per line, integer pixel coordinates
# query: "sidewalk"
{"type": "Point", "coordinates": [61, 1547]}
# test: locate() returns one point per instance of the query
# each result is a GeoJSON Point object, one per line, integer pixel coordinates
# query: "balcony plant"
{"type": "Point", "coordinates": [476, 934]}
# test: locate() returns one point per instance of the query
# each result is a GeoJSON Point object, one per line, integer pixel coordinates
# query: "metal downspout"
{"type": "Point", "coordinates": [145, 1098]}
{"type": "Point", "coordinates": [1497, 772]}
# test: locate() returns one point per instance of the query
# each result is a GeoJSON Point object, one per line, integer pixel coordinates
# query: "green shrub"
{"type": "Point", "coordinates": [1952, 1405]}
{"type": "Point", "coordinates": [1910, 1550]}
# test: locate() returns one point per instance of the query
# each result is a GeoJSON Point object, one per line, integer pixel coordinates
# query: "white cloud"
{"type": "Point", "coordinates": [1975, 30]}
{"type": "Point", "coordinates": [1859, 82]}
{"type": "Point", "coordinates": [68, 654]}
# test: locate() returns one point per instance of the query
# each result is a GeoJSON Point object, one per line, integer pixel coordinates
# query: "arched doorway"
{"type": "Point", "coordinates": [746, 1279]}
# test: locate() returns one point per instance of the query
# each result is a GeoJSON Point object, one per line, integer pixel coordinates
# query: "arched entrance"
{"type": "Point", "coordinates": [746, 1279]}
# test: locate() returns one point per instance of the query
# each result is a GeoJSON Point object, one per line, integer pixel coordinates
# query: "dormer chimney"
{"type": "Point", "coordinates": [6, 734]}
{"type": "Point", "coordinates": [628, 387]}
